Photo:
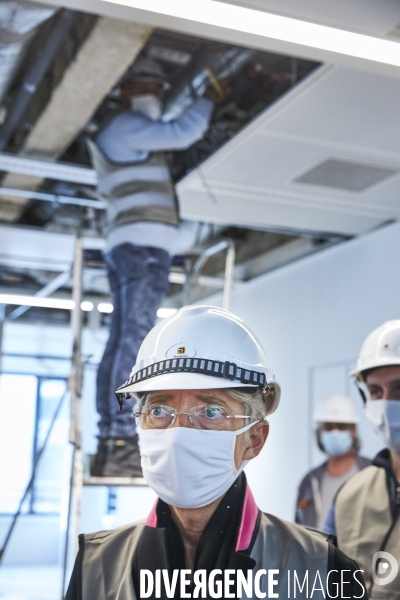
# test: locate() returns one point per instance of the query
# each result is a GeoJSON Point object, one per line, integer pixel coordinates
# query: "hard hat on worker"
{"type": "Point", "coordinates": [148, 70]}
{"type": "Point", "coordinates": [202, 347]}
{"type": "Point", "coordinates": [380, 349]}
{"type": "Point", "coordinates": [336, 408]}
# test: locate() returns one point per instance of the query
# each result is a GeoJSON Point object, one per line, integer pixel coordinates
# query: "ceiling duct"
{"type": "Point", "coordinates": [19, 21]}
{"type": "Point", "coordinates": [43, 59]}
{"type": "Point", "coordinates": [205, 68]}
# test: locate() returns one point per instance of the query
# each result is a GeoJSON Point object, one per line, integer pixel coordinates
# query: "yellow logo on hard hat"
{"type": "Point", "coordinates": [180, 351]}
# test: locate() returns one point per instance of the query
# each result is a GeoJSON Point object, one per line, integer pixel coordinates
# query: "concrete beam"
{"type": "Point", "coordinates": [103, 58]}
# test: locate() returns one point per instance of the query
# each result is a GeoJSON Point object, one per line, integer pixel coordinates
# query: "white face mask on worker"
{"type": "Point", "coordinates": [189, 468]}
{"type": "Point", "coordinates": [385, 418]}
{"type": "Point", "coordinates": [148, 105]}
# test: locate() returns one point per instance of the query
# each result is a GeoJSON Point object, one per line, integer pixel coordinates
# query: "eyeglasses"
{"type": "Point", "coordinates": [206, 416]}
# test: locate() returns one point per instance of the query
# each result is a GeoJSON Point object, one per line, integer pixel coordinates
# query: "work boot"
{"type": "Point", "coordinates": [97, 461]}
{"type": "Point", "coordinates": [117, 458]}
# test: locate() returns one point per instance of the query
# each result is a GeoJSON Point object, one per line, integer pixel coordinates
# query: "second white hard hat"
{"type": "Point", "coordinates": [335, 409]}
{"type": "Point", "coordinates": [380, 349]}
{"type": "Point", "coordinates": [202, 347]}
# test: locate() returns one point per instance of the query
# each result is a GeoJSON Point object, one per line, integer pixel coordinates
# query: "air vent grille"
{"type": "Point", "coordinates": [350, 176]}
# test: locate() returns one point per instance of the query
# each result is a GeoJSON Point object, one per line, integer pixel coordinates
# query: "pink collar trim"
{"type": "Point", "coordinates": [151, 520]}
{"type": "Point", "coordinates": [247, 524]}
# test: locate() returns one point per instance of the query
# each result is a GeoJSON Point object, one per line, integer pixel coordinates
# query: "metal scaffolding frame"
{"type": "Point", "coordinates": [75, 389]}
{"type": "Point", "coordinates": [229, 246]}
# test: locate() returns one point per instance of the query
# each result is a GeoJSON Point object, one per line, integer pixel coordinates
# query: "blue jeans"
{"type": "Point", "coordinates": [138, 278]}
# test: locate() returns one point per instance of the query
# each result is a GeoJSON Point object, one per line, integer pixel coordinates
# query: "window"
{"type": "Point", "coordinates": [27, 406]}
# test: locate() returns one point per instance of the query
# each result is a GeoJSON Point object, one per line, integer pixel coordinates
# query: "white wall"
{"type": "Point", "coordinates": [315, 312]}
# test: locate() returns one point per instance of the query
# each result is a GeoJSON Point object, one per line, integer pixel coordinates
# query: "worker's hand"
{"type": "Point", "coordinates": [217, 90]}
{"type": "Point", "coordinates": [212, 94]}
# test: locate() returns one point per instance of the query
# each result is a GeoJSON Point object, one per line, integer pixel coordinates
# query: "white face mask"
{"type": "Point", "coordinates": [148, 105]}
{"type": "Point", "coordinates": [189, 468]}
{"type": "Point", "coordinates": [385, 418]}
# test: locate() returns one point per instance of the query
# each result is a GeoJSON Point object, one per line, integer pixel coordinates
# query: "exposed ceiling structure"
{"type": "Point", "coordinates": [303, 149]}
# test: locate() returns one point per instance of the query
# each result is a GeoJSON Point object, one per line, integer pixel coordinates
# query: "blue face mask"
{"type": "Point", "coordinates": [336, 442]}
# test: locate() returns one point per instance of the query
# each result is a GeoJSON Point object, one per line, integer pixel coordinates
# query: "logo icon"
{"type": "Point", "coordinates": [384, 564]}
{"type": "Point", "coordinates": [181, 350]}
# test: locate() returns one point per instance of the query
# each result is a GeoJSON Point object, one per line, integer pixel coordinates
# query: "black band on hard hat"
{"type": "Point", "coordinates": [213, 368]}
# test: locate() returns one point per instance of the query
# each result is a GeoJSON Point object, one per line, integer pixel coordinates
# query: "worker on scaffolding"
{"type": "Point", "coordinates": [128, 154]}
{"type": "Point", "coordinates": [204, 389]}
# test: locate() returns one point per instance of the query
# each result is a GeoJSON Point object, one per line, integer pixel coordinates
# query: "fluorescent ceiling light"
{"type": "Point", "coordinates": [105, 307]}
{"type": "Point", "coordinates": [164, 313]}
{"type": "Point", "coordinates": [260, 23]}
{"type": "Point", "coordinates": [21, 300]}
{"type": "Point", "coordinates": [87, 306]}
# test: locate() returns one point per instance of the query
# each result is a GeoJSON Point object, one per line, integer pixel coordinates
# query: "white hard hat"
{"type": "Point", "coordinates": [146, 69]}
{"type": "Point", "coordinates": [380, 349]}
{"type": "Point", "coordinates": [202, 347]}
{"type": "Point", "coordinates": [335, 409]}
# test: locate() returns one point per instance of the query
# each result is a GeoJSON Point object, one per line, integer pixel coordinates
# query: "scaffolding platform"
{"type": "Point", "coordinates": [115, 481]}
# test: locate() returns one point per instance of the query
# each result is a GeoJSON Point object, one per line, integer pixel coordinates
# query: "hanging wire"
{"type": "Point", "coordinates": [207, 186]}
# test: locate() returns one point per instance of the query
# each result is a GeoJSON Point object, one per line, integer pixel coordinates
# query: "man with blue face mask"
{"type": "Point", "coordinates": [204, 389]}
{"type": "Point", "coordinates": [336, 436]}
{"type": "Point", "coordinates": [366, 512]}
{"type": "Point", "coordinates": [129, 155]}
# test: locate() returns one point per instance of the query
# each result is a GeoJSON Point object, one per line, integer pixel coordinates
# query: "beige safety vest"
{"type": "Point", "coordinates": [108, 557]}
{"type": "Point", "coordinates": [135, 192]}
{"type": "Point", "coordinates": [364, 526]}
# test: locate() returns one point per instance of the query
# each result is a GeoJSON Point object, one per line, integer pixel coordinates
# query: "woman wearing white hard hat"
{"type": "Point", "coordinates": [366, 511]}
{"type": "Point", "coordinates": [336, 436]}
{"type": "Point", "coordinates": [204, 388]}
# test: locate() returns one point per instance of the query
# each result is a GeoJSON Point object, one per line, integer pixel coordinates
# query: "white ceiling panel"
{"type": "Point", "coordinates": [371, 17]}
{"type": "Point", "coordinates": [272, 163]}
{"type": "Point", "coordinates": [344, 106]}
{"type": "Point", "coordinates": [241, 206]}
{"type": "Point", "coordinates": [337, 114]}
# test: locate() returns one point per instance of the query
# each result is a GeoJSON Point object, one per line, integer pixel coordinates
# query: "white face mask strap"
{"type": "Point", "coordinates": [246, 427]}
